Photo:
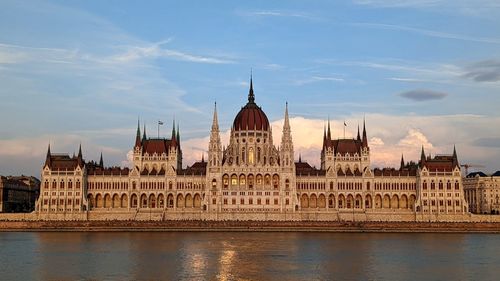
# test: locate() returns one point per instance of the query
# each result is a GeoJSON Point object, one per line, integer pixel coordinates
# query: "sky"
{"type": "Point", "coordinates": [420, 72]}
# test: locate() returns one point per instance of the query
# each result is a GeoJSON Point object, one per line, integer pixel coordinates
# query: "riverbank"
{"type": "Point", "coordinates": [264, 226]}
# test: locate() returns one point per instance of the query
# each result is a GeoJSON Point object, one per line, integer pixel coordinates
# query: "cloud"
{"type": "Point", "coordinates": [282, 14]}
{"type": "Point", "coordinates": [428, 32]}
{"type": "Point", "coordinates": [389, 137]}
{"type": "Point", "coordinates": [154, 51]}
{"type": "Point", "coordinates": [487, 142]}
{"type": "Point", "coordinates": [423, 95]}
{"type": "Point", "coordinates": [315, 79]}
{"type": "Point", "coordinates": [484, 71]}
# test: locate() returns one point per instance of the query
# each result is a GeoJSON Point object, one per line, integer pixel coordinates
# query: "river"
{"type": "Point", "coordinates": [247, 256]}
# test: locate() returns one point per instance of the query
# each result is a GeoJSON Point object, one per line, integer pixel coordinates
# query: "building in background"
{"type": "Point", "coordinates": [18, 193]}
{"type": "Point", "coordinates": [482, 192]}
{"type": "Point", "coordinates": [251, 178]}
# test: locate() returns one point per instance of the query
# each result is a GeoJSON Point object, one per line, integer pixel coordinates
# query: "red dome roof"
{"type": "Point", "coordinates": [251, 116]}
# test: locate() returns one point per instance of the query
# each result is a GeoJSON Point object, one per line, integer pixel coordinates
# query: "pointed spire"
{"type": "Point", "coordinates": [287, 121]}
{"type": "Point", "coordinates": [101, 163]}
{"type": "Point", "coordinates": [422, 157]}
{"type": "Point", "coordinates": [329, 133]}
{"type": "Point", "coordinates": [455, 157]}
{"type": "Point", "coordinates": [47, 159]}
{"type": "Point", "coordinates": [300, 157]}
{"type": "Point", "coordinates": [402, 162]}
{"type": "Point", "coordinates": [203, 157]}
{"type": "Point", "coordinates": [80, 151]}
{"type": "Point", "coordinates": [251, 96]}
{"type": "Point", "coordinates": [358, 137]}
{"type": "Point", "coordinates": [138, 135]}
{"type": "Point", "coordinates": [365, 139]}
{"type": "Point", "coordinates": [80, 156]}
{"type": "Point", "coordinates": [144, 133]}
{"type": "Point", "coordinates": [215, 121]}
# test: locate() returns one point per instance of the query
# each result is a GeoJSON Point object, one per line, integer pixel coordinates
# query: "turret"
{"type": "Point", "coordinates": [358, 138]}
{"type": "Point", "coordinates": [402, 165]}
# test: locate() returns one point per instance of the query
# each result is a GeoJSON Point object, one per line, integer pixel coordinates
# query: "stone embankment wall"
{"type": "Point", "coordinates": [341, 216]}
{"type": "Point", "coordinates": [302, 226]}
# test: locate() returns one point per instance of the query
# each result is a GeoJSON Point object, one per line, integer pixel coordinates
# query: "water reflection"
{"type": "Point", "coordinates": [247, 256]}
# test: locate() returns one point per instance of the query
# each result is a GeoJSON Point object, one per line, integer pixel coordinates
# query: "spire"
{"type": "Point", "coordinates": [455, 157]}
{"type": "Point", "coordinates": [300, 157]}
{"type": "Point", "coordinates": [365, 139]}
{"type": "Point", "coordinates": [215, 121]}
{"type": "Point", "coordinates": [329, 133]}
{"type": "Point", "coordinates": [422, 157]}
{"type": "Point", "coordinates": [251, 96]}
{"type": "Point", "coordinates": [402, 162]}
{"type": "Point", "coordinates": [80, 156]}
{"type": "Point", "coordinates": [287, 121]}
{"type": "Point", "coordinates": [358, 137]}
{"type": "Point", "coordinates": [101, 163]}
{"type": "Point", "coordinates": [144, 133]}
{"type": "Point", "coordinates": [80, 152]}
{"type": "Point", "coordinates": [173, 129]}
{"type": "Point", "coordinates": [138, 135]}
{"type": "Point", "coordinates": [203, 157]}
{"type": "Point", "coordinates": [47, 159]}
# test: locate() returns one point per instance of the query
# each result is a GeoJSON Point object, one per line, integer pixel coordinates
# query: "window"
{"type": "Point", "coordinates": [233, 201]}
{"type": "Point", "coordinates": [275, 201]}
{"type": "Point", "coordinates": [267, 201]}
{"type": "Point", "coordinates": [214, 201]}
{"type": "Point", "coordinates": [287, 201]}
{"type": "Point", "coordinates": [225, 201]}
{"type": "Point", "coordinates": [250, 156]}
{"type": "Point", "coordinates": [242, 201]}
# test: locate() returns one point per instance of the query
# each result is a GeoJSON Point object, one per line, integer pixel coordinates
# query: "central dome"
{"type": "Point", "coordinates": [251, 117]}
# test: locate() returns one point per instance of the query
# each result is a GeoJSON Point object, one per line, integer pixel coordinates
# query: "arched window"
{"type": "Point", "coordinates": [225, 181]}
{"type": "Point", "coordinates": [424, 185]}
{"type": "Point", "coordinates": [258, 155]}
{"type": "Point", "coordinates": [243, 155]}
{"type": "Point", "coordinates": [250, 156]}
{"type": "Point", "coordinates": [214, 183]}
{"type": "Point", "coordinates": [287, 183]}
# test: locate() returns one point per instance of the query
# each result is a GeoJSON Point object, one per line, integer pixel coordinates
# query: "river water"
{"type": "Point", "coordinates": [247, 256]}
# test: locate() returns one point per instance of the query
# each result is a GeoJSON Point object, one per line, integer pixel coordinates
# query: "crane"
{"type": "Point", "coordinates": [467, 166]}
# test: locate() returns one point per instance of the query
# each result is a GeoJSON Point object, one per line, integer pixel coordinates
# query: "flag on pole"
{"type": "Point", "coordinates": [345, 124]}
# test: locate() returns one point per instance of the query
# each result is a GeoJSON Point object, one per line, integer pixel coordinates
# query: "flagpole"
{"type": "Point", "coordinates": [344, 128]}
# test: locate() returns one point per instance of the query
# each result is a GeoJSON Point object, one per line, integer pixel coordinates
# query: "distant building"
{"type": "Point", "coordinates": [482, 192]}
{"type": "Point", "coordinates": [252, 178]}
{"type": "Point", "coordinates": [18, 193]}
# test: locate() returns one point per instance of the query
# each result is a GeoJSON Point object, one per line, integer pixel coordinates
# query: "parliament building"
{"type": "Point", "coordinates": [251, 178]}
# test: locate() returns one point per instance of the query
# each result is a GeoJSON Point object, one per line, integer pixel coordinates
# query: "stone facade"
{"type": "Point", "coordinates": [482, 192]}
{"type": "Point", "coordinates": [251, 178]}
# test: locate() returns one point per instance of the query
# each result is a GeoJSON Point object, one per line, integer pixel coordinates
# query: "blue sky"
{"type": "Point", "coordinates": [421, 72]}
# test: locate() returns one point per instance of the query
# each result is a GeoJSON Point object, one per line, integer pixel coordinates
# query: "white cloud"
{"type": "Point", "coordinates": [154, 51]}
